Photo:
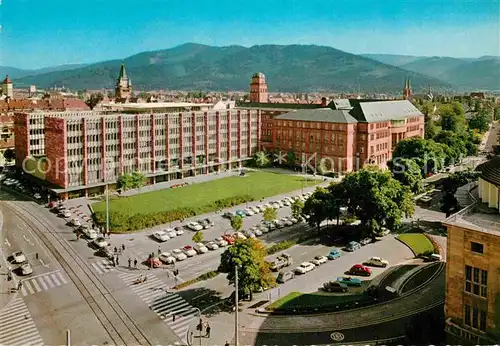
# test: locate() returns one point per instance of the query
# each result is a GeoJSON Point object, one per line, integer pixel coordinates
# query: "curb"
{"type": "Point", "coordinates": [408, 246]}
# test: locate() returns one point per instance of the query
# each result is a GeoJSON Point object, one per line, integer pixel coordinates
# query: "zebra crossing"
{"type": "Point", "coordinates": [104, 266]}
{"type": "Point", "coordinates": [43, 282]}
{"type": "Point", "coordinates": [178, 314]}
{"type": "Point", "coordinates": [17, 326]}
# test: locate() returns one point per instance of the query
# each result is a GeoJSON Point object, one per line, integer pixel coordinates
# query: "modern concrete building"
{"type": "Point", "coordinates": [472, 306]}
{"type": "Point", "coordinates": [81, 152]}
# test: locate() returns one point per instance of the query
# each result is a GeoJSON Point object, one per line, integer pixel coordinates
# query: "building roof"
{"type": "Point", "coordinates": [7, 80]}
{"type": "Point", "coordinates": [277, 106]}
{"type": "Point", "coordinates": [258, 74]}
{"type": "Point", "coordinates": [154, 105]}
{"type": "Point", "coordinates": [340, 104]}
{"type": "Point", "coordinates": [320, 115]}
{"type": "Point", "coordinates": [123, 72]}
{"type": "Point", "coordinates": [372, 112]}
{"type": "Point", "coordinates": [490, 171]}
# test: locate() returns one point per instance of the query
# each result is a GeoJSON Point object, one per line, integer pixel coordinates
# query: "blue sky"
{"type": "Point", "coordinates": [39, 33]}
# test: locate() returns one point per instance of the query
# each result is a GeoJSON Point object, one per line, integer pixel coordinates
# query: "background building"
{"type": "Point", "coordinates": [258, 88]}
{"type": "Point", "coordinates": [472, 306]}
{"type": "Point", "coordinates": [80, 152]}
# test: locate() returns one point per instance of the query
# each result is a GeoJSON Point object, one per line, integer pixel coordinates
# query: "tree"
{"type": "Point", "coordinates": [236, 222]}
{"type": "Point", "coordinates": [407, 172]}
{"type": "Point", "coordinates": [9, 155]}
{"type": "Point", "coordinates": [270, 214]}
{"type": "Point", "coordinates": [198, 237]}
{"type": "Point", "coordinates": [430, 129]}
{"type": "Point", "coordinates": [375, 198]}
{"type": "Point", "coordinates": [253, 271]}
{"type": "Point", "coordinates": [481, 121]}
{"type": "Point", "coordinates": [297, 207]}
{"type": "Point", "coordinates": [291, 158]}
{"type": "Point", "coordinates": [496, 113]}
{"type": "Point", "coordinates": [125, 181]}
{"type": "Point", "coordinates": [94, 99]}
{"type": "Point", "coordinates": [451, 184]}
{"type": "Point", "coordinates": [318, 207]}
{"type": "Point", "coordinates": [260, 159]}
{"type": "Point", "coordinates": [429, 155]}
{"type": "Point", "coordinates": [455, 143]}
{"type": "Point", "coordinates": [452, 117]}
{"type": "Point", "coordinates": [322, 169]}
{"type": "Point", "coordinates": [138, 180]}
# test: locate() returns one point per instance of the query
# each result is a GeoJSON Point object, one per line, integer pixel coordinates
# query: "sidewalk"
{"type": "Point", "coordinates": [8, 289]}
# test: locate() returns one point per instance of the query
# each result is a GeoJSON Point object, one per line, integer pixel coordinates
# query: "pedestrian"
{"type": "Point", "coordinates": [19, 285]}
{"type": "Point", "coordinates": [129, 263]}
{"type": "Point", "coordinates": [173, 317]}
{"type": "Point", "coordinates": [226, 344]}
{"type": "Point", "coordinates": [117, 263]}
{"type": "Point", "coordinates": [109, 234]}
{"type": "Point", "coordinates": [123, 247]}
{"type": "Point", "coordinates": [116, 250]}
{"type": "Point", "coordinates": [135, 263]}
{"type": "Point", "coordinates": [159, 250]}
{"type": "Point", "coordinates": [114, 263]}
{"type": "Point", "coordinates": [208, 330]}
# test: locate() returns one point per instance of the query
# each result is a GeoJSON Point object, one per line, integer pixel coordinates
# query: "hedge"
{"type": "Point", "coordinates": [202, 277]}
{"type": "Point", "coordinates": [123, 223]}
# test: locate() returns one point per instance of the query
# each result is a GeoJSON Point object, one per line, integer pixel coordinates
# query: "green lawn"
{"type": "Point", "coordinates": [201, 197]}
{"type": "Point", "coordinates": [417, 242]}
{"type": "Point", "coordinates": [309, 301]}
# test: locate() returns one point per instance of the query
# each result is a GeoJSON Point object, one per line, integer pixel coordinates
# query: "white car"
{"type": "Point", "coordinates": [161, 236]}
{"type": "Point", "coordinates": [304, 267]}
{"type": "Point", "coordinates": [19, 257]}
{"type": "Point", "coordinates": [90, 233]}
{"type": "Point", "coordinates": [377, 262]}
{"type": "Point", "coordinates": [195, 226]}
{"type": "Point", "coordinates": [76, 222]}
{"type": "Point", "coordinates": [171, 232]}
{"type": "Point", "coordinates": [189, 251]}
{"type": "Point", "coordinates": [239, 235]}
{"type": "Point", "coordinates": [179, 255]}
{"type": "Point", "coordinates": [261, 208]}
{"type": "Point", "coordinates": [200, 248]}
{"type": "Point", "coordinates": [268, 205]}
{"type": "Point", "coordinates": [318, 260]}
{"type": "Point", "coordinates": [26, 269]}
{"type": "Point", "coordinates": [248, 212]}
{"type": "Point", "coordinates": [255, 210]}
{"type": "Point", "coordinates": [211, 245]}
{"type": "Point", "coordinates": [100, 242]}
{"type": "Point", "coordinates": [65, 213]}
{"type": "Point", "coordinates": [179, 231]}
{"type": "Point", "coordinates": [264, 229]}
{"type": "Point", "coordinates": [249, 234]}
{"type": "Point", "coordinates": [220, 242]}
{"type": "Point", "coordinates": [286, 203]}
{"type": "Point", "coordinates": [166, 257]}
{"type": "Point", "coordinates": [37, 196]}
{"type": "Point", "coordinates": [256, 231]}
{"type": "Point", "coordinates": [294, 220]}
{"type": "Point", "coordinates": [286, 221]}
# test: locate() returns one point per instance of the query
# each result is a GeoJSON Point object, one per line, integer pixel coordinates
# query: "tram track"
{"type": "Point", "coordinates": [115, 320]}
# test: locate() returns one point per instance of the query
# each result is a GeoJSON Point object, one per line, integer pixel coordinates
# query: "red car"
{"type": "Point", "coordinates": [228, 238]}
{"type": "Point", "coordinates": [359, 269]}
{"type": "Point", "coordinates": [153, 262]}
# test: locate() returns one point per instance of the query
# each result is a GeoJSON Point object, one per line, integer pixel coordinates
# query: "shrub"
{"type": "Point", "coordinates": [286, 244]}
{"type": "Point", "coordinates": [202, 277]}
{"type": "Point", "coordinates": [123, 223]}
{"type": "Point", "coordinates": [437, 248]}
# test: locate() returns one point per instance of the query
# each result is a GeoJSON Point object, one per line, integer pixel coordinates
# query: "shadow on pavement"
{"type": "Point", "coordinates": [210, 302]}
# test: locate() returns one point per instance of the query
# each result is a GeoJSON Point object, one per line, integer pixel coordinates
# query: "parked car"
{"type": "Point", "coordinates": [384, 232]}
{"type": "Point", "coordinates": [349, 281]}
{"type": "Point", "coordinates": [228, 238]}
{"type": "Point", "coordinates": [179, 230]}
{"type": "Point", "coordinates": [256, 231]}
{"type": "Point", "coordinates": [206, 223]}
{"type": "Point", "coordinates": [228, 215]}
{"type": "Point", "coordinates": [334, 286]}
{"type": "Point", "coordinates": [365, 241]}
{"type": "Point", "coordinates": [37, 196]}
{"type": "Point", "coordinates": [261, 207]}
{"type": "Point", "coordinates": [318, 260]}
{"type": "Point", "coordinates": [239, 235]}
{"type": "Point", "coordinates": [377, 262]}
{"type": "Point", "coordinates": [304, 267]}
{"type": "Point", "coordinates": [255, 209]}
{"type": "Point", "coordinates": [75, 222]}
{"type": "Point", "coordinates": [170, 232]}
{"type": "Point", "coordinates": [90, 233]}
{"type": "Point", "coordinates": [26, 269]}
{"type": "Point", "coordinates": [283, 260]}
{"type": "Point", "coordinates": [195, 226]}
{"type": "Point", "coordinates": [334, 254]}
{"type": "Point", "coordinates": [286, 203]}
{"type": "Point", "coordinates": [200, 248]}
{"type": "Point", "coordinates": [285, 276]}
{"type": "Point", "coordinates": [19, 257]}
{"type": "Point", "coordinates": [153, 262]}
{"type": "Point", "coordinates": [179, 255]}
{"type": "Point", "coordinates": [353, 246]}
{"type": "Point", "coordinates": [249, 234]}
{"type": "Point", "coordinates": [279, 223]}
{"type": "Point", "coordinates": [248, 212]}
{"type": "Point", "coordinates": [100, 242]}
{"type": "Point", "coordinates": [166, 257]}
{"type": "Point", "coordinates": [161, 236]}
{"type": "Point", "coordinates": [240, 213]}
{"type": "Point", "coordinates": [221, 242]}
{"type": "Point", "coordinates": [211, 245]}
{"type": "Point", "coordinates": [286, 221]}
{"type": "Point", "coordinates": [189, 251]}
{"type": "Point", "coordinates": [65, 213]}
{"type": "Point", "coordinates": [264, 229]}
{"type": "Point", "coordinates": [359, 269]}
{"type": "Point", "coordinates": [294, 220]}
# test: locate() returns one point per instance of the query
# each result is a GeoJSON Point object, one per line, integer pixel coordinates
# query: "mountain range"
{"type": "Point", "coordinates": [288, 68]}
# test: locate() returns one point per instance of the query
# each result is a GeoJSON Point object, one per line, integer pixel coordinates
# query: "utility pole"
{"type": "Point", "coordinates": [236, 343]}
{"type": "Point", "coordinates": [68, 337]}
{"type": "Point", "coordinates": [107, 209]}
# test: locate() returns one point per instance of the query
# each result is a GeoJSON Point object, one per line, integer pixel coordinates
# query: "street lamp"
{"type": "Point", "coordinates": [236, 343]}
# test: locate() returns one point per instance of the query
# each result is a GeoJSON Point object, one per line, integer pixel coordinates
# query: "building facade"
{"type": "Point", "coordinates": [7, 88]}
{"type": "Point", "coordinates": [472, 307]}
{"type": "Point", "coordinates": [83, 151]}
{"type": "Point", "coordinates": [258, 88]}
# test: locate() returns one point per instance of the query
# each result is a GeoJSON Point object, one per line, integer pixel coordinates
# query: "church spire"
{"type": "Point", "coordinates": [123, 72]}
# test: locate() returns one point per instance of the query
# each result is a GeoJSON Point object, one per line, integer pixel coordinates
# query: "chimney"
{"type": "Point", "coordinates": [323, 102]}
